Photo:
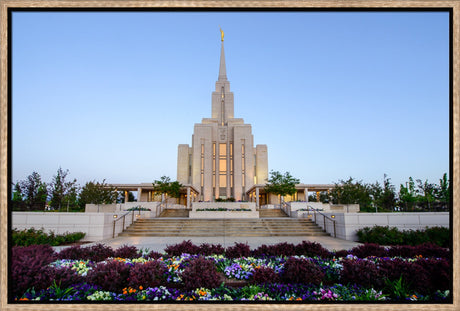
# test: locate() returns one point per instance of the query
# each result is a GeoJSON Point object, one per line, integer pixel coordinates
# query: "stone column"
{"type": "Point", "coordinates": [306, 194]}
{"type": "Point", "coordinates": [257, 197]}
{"type": "Point", "coordinates": [139, 194]}
{"type": "Point", "coordinates": [126, 196]}
{"type": "Point", "coordinates": [188, 197]}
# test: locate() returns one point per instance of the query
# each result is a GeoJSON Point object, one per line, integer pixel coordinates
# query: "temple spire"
{"type": "Point", "coordinates": [222, 70]}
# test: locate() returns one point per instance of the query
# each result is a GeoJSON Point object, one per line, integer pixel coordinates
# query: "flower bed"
{"type": "Point", "coordinates": [281, 272]}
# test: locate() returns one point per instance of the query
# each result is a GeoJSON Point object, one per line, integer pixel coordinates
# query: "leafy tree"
{"type": "Point", "coordinates": [166, 188]}
{"type": "Point", "coordinates": [280, 184]}
{"type": "Point", "coordinates": [407, 195]}
{"type": "Point", "coordinates": [426, 193]}
{"type": "Point", "coordinates": [32, 191]}
{"type": "Point", "coordinates": [97, 193]}
{"type": "Point", "coordinates": [63, 191]}
{"type": "Point", "coordinates": [17, 199]}
{"type": "Point", "coordinates": [352, 192]}
{"type": "Point", "coordinates": [442, 192]}
{"type": "Point", "coordinates": [387, 200]}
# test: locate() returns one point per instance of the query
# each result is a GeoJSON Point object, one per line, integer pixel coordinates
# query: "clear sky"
{"type": "Point", "coordinates": [110, 95]}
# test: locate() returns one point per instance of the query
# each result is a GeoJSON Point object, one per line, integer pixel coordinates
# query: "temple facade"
{"type": "Point", "coordinates": [222, 161]}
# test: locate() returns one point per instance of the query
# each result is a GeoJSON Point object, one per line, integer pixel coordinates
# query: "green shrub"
{"type": "Point", "coordinates": [33, 236]}
{"type": "Point", "coordinates": [385, 235]}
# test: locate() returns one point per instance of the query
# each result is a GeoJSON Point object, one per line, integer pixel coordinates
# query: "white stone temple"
{"type": "Point", "coordinates": [222, 161]}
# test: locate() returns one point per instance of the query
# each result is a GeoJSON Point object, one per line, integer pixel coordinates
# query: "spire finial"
{"type": "Point", "coordinates": [221, 34]}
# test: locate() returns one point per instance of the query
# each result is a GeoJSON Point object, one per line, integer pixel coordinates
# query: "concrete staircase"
{"type": "Point", "coordinates": [174, 213]}
{"type": "Point", "coordinates": [167, 227]}
{"type": "Point", "coordinates": [271, 213]}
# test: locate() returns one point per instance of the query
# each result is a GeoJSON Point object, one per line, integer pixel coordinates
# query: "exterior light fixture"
{"type": "Point", "coordinates": [332, 216]}
{"type": "Point", "coordinates": [115, 216]}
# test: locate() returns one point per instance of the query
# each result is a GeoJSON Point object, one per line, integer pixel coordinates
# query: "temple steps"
{"type": "Point", "coordinates": [268, 213]}
{"type": "Point", "coordinates": [165, 227]}
{"type": "Point", "coordinates": [174, 213]}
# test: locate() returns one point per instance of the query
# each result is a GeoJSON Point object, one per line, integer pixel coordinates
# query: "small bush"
{"type": "Point", "coordinates": [29, 268]}
{"type": "Point", "coordinates": [341, 253]}
{"type": "Point", "coordinates": [405, 251]}
{"type": "Point", "coordinates": [66, 277]}
{"type": "Point", "coordinates": [206, 249]}
{"type": "Point", "coordinates": [369, 249]}
{"type": "Point", "coordinates": [111, 276]}
{"type": "Point", "coordinates": [127, 251]}
{"type": "Point", "coordinates": [200, 272]}
{"type": "Point", "coordinates": [149, 274]}
{"type": "Point", "coordinates": [301, 271]}
{"type": "Point", "coordinates": [154, 255]}
{"type": "Point", "coordinates": [185, 247]}
{"type": "Point", "coordinates": [73, 252]}
{"type": "Point", "coordinates": [98, 252]}
{"type": "Point", "coordinates": [361, 272]}
{"type": "Point", "coordinates": [312, 249]}
{"type": "Point", "coordinates": [264, 275]}
{"type": "Point", "coordinates": [238, 250]}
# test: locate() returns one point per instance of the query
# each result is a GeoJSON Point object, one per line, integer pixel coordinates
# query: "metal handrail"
{"type": "Point", "coordinates": [324, 218]}
{"type": "Point", "coordinates": [158, 211]}
{"type": "Point", "coordinates": [122, 217]}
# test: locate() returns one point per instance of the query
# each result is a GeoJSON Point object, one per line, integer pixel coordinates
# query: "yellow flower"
{"type": "Point", "coordinates": [299, 298]}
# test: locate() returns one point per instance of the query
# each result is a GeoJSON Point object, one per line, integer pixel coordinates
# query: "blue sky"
{"type": "Point", "coordinates": [110, 95]}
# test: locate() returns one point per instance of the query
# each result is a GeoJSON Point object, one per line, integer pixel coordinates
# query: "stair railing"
{"type": "Point", "coordinates": [124, 222]}
{"type": "Point", "coordinates": [310, 208]}
{"type": "Point", "coordinates": [159, 209]}
{"type": "Point", "coordinates": [286, 207]}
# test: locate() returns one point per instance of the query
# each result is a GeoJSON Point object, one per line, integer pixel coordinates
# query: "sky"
{"type": "Point", "coordinates": [111, 95]}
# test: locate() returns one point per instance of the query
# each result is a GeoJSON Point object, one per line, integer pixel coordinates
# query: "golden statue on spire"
{"type": "Point", "coordinates": [221, 34]}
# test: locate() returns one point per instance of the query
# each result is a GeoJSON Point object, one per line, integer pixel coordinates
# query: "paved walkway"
{"type": "Point", "coordinates": [158, 244]}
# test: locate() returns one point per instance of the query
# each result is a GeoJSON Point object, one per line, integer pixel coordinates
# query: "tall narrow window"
{"type": "Point", "coordinates": [231, 164]}
{"type": "Point", "coordinates": [222, 165]}
{"type": "Point", "coordinates": [202, 166]}
{"type": "Point", "coordinates": [214, 165]}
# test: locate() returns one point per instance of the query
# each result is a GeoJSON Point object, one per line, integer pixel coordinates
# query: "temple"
{"type": "Point", "coordinates": [222, 161]}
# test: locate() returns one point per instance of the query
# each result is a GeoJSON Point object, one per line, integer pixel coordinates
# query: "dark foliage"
{"type": "Point", "coordinates": [185, 247]}
{"type": "Point", "coordinates": [341, 253]}
{"type": "Point", "coordinates": [73, 252]}
{"type": "Point", "coordinates": [238, 250]}
{"type": "Point", "coordinates": [432, 250]}
{"type": "Point", "coordinates": [369, 249]}
{"type": "Point", "coordinates": [99, 252]}
{"type": "Point", "coordinates": [361, 272]}
{"type": "Point", "coordinates": [154, 255]}
{"type": "Point", "coordinates": [280, 249]}
{"type": "Point", "coordinates": [111, 276]}
{"type": "Point", "coordinates": [301, 271]}
{"type": "Point", "coordinates": [127, 251]}
{"type": "Point", "coordinates": [405, 251]}
{"type": "Point", "coordinates": [65, 277]}
{"type": "Point", "coordinates": [438, 273]}
{"type": "Point", "coordinates": [36, 237]}
{"type": "Point", "coordinates": [264, 275]}
{"type": "Point", "coordinates": [200, 272]}
{"type": "Point", "coordinates": [206, 249]}
{"type": "Point", "coordinates": [149, 274]}
{"type": "Point", "coordinates": [385, 235]}
{"type": "Point", "coordinates": [29, 268]}
{"type": "Point", "coordinates": [312, 249]}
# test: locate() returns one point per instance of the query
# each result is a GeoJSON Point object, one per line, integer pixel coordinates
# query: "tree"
{"type": "Point", "coordinates": [352, 192]}
{"type": "Point", "coordinates": [407, 195]}
{"type": "Point", "coordinates": [426, 193]}
{"type": "Point", "coordinates": [442, 192]}
{"type": "Point", "coordinates": [166, 188]}
{"type": "Point", "coordinates": [32, 191]}
{"type": "Point", "coordinates": [17, 200]}
{"type": "Point", "coordinates": [97, 193]}
{"type": "Point", "coordinates": [280, 184]}
{"type": "Point", "coordinates": [63, 191]}
{"type": "Point", "coordinates": [121, 197]}
{"type": "Point", "coordinates": [387, 200]}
